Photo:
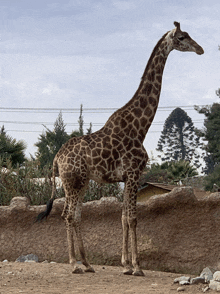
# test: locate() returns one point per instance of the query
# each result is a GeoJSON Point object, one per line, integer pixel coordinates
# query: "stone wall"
{"type": "Point", "coordinates": [176, 232]}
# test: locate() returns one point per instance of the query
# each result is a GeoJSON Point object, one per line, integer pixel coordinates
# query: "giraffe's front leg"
{"type": "Point", "coordinates": [124, 259]}
{"type": "Point", "coordinates": [132, 226]}
{"type": "Point", "coordinates": [129, 224]}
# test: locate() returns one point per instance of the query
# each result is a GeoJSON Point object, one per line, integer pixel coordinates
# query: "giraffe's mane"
{"type": "Point", "coordinates": [145, 72]}
{"type": "Point", "coordinates": [153, 54]}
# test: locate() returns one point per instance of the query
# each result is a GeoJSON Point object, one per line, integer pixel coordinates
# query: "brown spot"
{"type": "Point", "coordinates": [129, 118]}
{"type": "Point", "coordinates": [137, 112]}
{"type": "Point", "coordinates": [120, 147]}
{"type": "Point", "coordinates": [148, 111]}
{"type": "Point", "coordinates": [130, 144]}
{"type": "Point", "coordinates": [89, 160]}
{"type": "Point", "coordinates": [129, 155]}
{"type": "Point", "coordinates": [101, 169]}
{"type": "Point", "coordinates": [147, 89]}
{"type": "Point", "coordinates": [126, 141]}
{"type": "Point", "coordinates": [156, 59]}
{"type": "Point", "coordinates": [94, 136]}
{"type": "Point", "coordinates": [144, 121]}
{"type": "Point", "coordinates": [108, 131]}
{"type": "Point", "coordinates": [96, 160]}
{"type": "Point", "coordinates": [158, 69]}
{"type": "Point", "coordinates": [151, 119]}
{"type": "Point", "coordinates": [92, 144]}
{"type": "Point", "coordinates": [95, 153]}
{"type": "Point", "coordinates": [76, 149]}
{"type": "Point", "coordinates": [133, 133]}
{"type": "Point", "coordinates": [152, 101]}
{"type": "Point", "coordinates": [110, 125]}
{"type": "Point", "coordinates": [159, 78]}
{"type": "Point", "coordinates": [136, 144]}
{"type": "Point", "coordinates": [116, 130]}
{"type": "Point", "coordinates": [136, 104]}
{"type": "Point", "coordinates": [143, 102]}
{"type": "Point", "coordinates": [115, 142]}
{"type": "Point", "coordinates": [106, 154]}
{"type": "Point", "coordinates": [123, 123]}
{"type": "Point", "coordinates": [155, 91]}
{"type": "Point", "coordinates": [117, 121]}
{"type": "Point", "coordinates": [121, 134]}
{"type": "Point", "coordinates": [115, 154]}
{"type": "Point", "coordinates": [151, 76]}
{"type": "Point", "coordinates": [136, 124]}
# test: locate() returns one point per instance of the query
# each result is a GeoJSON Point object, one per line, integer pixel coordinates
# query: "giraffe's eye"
{"type": "Point", "coordinates": [181, 38]}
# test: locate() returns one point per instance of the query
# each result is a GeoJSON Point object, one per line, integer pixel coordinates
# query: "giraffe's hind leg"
{"type": "Point", "coordinates": [72, 216]}
{"type": "Point", "coordinates": [77, 227]}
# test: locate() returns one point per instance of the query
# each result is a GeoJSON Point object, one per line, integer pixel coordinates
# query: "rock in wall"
{"type": "Point", "coordinates": [176, 232]}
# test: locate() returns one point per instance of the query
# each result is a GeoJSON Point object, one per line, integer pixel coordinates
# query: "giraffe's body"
{"type": "Point", "coordinates": [115, 153]}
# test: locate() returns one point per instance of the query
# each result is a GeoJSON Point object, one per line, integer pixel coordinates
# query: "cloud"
{"type": "Point", "coordinates": [50, 89]}
{"type": "Point", "coordinates": [124, 5]}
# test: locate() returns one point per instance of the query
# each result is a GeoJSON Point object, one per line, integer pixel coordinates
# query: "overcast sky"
{"type": "Point", "coordinates": [63, 53]}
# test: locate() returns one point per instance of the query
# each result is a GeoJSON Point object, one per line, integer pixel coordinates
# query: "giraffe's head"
{"type": "Point", "coordinates": [182, 41]}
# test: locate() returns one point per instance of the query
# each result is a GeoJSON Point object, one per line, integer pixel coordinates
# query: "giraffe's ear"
{"type": "Point", "coordinates": [177, 25]}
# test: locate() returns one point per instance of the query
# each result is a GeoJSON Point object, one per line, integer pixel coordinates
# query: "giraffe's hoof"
{"type": "Point", "coordinates": [138, 273]}
{"type": "Point", "coordinates": [89, 270]}
{"type": "Point", "coordinates": [77, 270]}
{"type": "Point", "coordinates": [128, 271]}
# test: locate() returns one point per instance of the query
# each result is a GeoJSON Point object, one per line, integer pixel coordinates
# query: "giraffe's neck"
{"type": "Point", "coordinates": [137, 115]}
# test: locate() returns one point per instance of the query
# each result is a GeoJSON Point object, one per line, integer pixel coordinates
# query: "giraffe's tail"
{"type": "Point", "coordinates": [44, 214]}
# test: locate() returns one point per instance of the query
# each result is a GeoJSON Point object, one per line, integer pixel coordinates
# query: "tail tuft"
{"type": "Point", "coordinates": [44, 214]}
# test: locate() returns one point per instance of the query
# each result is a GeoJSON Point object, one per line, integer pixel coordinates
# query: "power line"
{"type": "Point", "coordinates": [87, 110]}
{"type": "Point", "coordinates": [76, 124]}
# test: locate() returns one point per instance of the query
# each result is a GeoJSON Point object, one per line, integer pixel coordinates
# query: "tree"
{"type": "Point", "coordinates": [168, 172]}
{"type": "Point", "coordinates": [10, 149]}
{"type": "Point", "coordinates": [213, 179]}
{"type": "Point", "coordinates": [179, 140]}
{"type": "Point", "coordinates": [81, 121]}
{"type": "Point", "coordinates": [211, 135]}
{"type": "Point", "coordinates": [80, 131]}
{"type": "Point", "coordinates": [51, 141]}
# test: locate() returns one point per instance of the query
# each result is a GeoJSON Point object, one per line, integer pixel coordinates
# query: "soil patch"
{"type": "Point", "coordinates": [57, 278]}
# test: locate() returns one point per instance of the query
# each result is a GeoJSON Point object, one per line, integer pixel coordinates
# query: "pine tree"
{"type": "Point", "coordinates": [10, 149]}
{"type": "Point", "coordinates": [51, 141]}
{"type": "Point", "coordinates": [81, 121]}
{"type": "Point", "coordinates": [179, 140]}
{"type": "Point", "coordinates": [211, 135]}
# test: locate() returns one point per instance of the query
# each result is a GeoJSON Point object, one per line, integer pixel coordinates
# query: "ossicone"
{"type": "Point", "coordinates": [177, 25]}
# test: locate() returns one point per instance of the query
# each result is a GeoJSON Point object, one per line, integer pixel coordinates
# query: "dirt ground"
{"type": "Point", "coordinates": [54, 278]}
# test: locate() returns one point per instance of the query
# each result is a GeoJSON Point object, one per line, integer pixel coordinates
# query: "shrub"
{"type": "Point", "coordinates": [36, 184]}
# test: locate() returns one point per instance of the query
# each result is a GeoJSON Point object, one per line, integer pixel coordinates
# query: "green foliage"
{"type": "Point", "coordinates": [168, 172]}
{"type": "Point", "coordinates": [211, 135]}
{"type": "Point", "coordinates": [36, 185]}
{"type": "Point", "coordinates": [11, 149]}
{"type": "Point", "coordinates": [213, 179]}
{"type": "Point", "coordinates": [26, 181]}
{"type": "Point", "coordinates": [50, 142]}
{"type": "Point", "coordinates": [97, 191]}
{"type": "Point", "coordinates": [179, 140]}
{"type": "Point", "coordinates": [80, 121]}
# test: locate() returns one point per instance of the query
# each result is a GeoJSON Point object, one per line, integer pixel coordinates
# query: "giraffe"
{"type": "Point", "coordinates": [115, 153]}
